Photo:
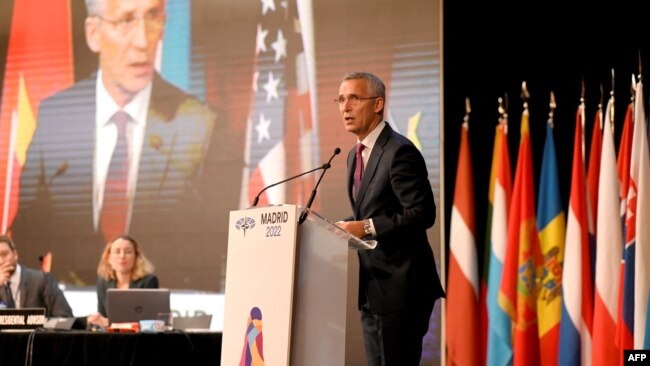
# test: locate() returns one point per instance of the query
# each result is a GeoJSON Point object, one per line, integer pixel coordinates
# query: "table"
{"type": "Point", "coordinates": [51, 347]}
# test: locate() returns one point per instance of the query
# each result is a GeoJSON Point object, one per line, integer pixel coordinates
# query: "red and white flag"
{"type": "Point", "coordinates": [462, 286]}
{"type": "Point", "coordinates": [609, 245]}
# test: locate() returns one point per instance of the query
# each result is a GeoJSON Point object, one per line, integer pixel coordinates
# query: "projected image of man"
{"type": "Point", "coordinates": [122, 152]}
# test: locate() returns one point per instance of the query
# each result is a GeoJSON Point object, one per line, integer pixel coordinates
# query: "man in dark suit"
{"type": "Point", "coordinates": [23, 287]}
{"type": "Point", "coordinates": [167, 184]}
{"type": "Point", "coordinates": [392, 202]}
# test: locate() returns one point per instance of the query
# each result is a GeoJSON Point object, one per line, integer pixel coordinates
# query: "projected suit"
{"type": "Point", "coordinates": [174, 206]}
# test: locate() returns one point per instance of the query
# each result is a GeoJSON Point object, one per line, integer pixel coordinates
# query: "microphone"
{"type": "Point", "coordinates": [63, 167]}
{"type": "Point", "coordinates": [46, 288]}
{"type": "Point", "coordinates": [303, 215]}
{"type": "Point", "coordinates": [257, 198]}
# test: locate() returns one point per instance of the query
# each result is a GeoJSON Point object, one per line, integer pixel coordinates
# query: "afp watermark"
{"type": "Point", "coordinates": [636, 357]}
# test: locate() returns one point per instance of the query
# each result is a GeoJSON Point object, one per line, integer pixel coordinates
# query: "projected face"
{"type": "Point", "coordinates": [359, 109]}
{"type": "Point", "coordinates": [125, 34]}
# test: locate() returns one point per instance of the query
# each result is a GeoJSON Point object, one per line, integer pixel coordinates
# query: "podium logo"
{"type": "Point", "coordinates": [636, 357]}
{"type": "Point", "coordinates": [245, 223]}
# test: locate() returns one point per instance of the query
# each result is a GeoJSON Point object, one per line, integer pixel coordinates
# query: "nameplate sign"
{"type": "Point", "coordinates": [29, 318]}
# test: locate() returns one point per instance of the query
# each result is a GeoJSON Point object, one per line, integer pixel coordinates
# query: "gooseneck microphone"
{"type": "Point", "coordinates": [305, 212]}
{"type": "Point", "coordinates": [257, 198]}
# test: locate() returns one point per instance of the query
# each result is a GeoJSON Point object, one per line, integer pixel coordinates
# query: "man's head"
{"type": "Point", "coordinates": [361, 102]}
{"type": "Point", "coordinates": [8, 255]}
{"type": "Point", "coordinates": [125, 34]}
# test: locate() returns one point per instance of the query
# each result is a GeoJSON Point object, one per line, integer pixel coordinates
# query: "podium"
{"type": "Point", "coordinates": [291, 290]}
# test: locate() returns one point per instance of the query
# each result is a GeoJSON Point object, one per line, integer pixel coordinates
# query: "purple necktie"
{"type": "Point", "coordinates": [116, 203]}
{"type": "Point", "coordinates": [358, 171]}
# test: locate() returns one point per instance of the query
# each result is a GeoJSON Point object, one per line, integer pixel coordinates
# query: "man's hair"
{"type": "Point", "coordinates": [376, 87]}
{"type": "Point", "coordinates": [9, 241]}
{"type": "Point", "coordinates": [141, 267]}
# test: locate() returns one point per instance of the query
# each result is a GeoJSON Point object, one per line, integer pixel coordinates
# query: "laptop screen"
{"type": "Point", "coordinates": [135, 304]}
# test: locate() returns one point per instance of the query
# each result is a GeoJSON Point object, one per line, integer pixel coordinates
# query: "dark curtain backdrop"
{"type": "Point", "coordinates": [491, 48]}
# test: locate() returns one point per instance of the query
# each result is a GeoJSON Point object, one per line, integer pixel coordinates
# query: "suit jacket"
{"type": "Point", "coordinates": [396, 194]}
{"type": "Point", "coordinates": [177, 192]}
{"type": "Point", "coordinates": [148, 281]}
{"type": "Point", "coordinates": [40, 290]}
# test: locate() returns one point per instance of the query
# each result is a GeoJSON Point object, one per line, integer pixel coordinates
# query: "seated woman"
{"type": "Point", "coordinates": [123, 265]}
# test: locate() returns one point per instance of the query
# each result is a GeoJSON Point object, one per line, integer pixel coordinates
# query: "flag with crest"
{"type": "Point", "coordinates": [523, 261]}
{"type": "Point", "coordinates": [552, 230]}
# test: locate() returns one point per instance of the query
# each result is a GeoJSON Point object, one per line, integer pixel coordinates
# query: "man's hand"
{"type": "Point", "coordinates": [6, 270]}
{"type": "Point", "coordinates": [353, 227]}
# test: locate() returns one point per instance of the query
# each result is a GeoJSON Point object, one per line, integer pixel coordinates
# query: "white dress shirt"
{"type": "Point", "coordinates": [106, 138]}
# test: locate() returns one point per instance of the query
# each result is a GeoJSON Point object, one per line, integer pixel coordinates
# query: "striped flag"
{"type": "Point", "coordinates": [39, 63]}
{"type": "Point", "coordinates": [486, 251]}
{"type": "Point", "coordinates": [593, 171]}
{"type": "Point", "coordinates": [462, 288]}
{"type": "Point", "coordinates": [625, 304]}
{"type": "Point", "coordinates": [552, 230]}
{"type": "Point", "coordinates": [281, 135]}
{"type": "Point", "coordinates": [523, 260]}
{"type": "Point", "coordinates": [608, 250]}
{"type": "Point", "coordinates": [577, 296]}
{"type": "Point", "coordinates": [499, 344]}
{"type": "Point", "coordinates": [638, 212]}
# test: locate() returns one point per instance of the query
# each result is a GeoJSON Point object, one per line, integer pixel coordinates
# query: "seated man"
{"type": "Point", "coordinates": [22, 287]}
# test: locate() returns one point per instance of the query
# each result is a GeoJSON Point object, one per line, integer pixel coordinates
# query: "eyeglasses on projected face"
{"type": "Point", "coordinates": [154, 21]}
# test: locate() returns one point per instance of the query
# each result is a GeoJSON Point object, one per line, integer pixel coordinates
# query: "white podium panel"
{"type": "Point", "coordinates": [259, 282]}
{"type": "Point", "coordinates": [295, 286]}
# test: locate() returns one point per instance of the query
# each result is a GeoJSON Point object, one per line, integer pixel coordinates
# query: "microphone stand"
{"type": "Point", "coordinates": [305, 212]}
{"type": "Point", "coordinates": [257, 198]}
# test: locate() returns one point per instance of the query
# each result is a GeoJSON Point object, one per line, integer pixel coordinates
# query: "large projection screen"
{"type": "Point", "coordinates": [267, 70]}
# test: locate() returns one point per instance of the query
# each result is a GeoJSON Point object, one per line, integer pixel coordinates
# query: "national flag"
{"type": "Point", "coordinates": [281, 138]}
{"type": "Point", "coordinates": [593, 170]}
{"type": "Point", "coordinates": [593, 173]}
{"type": "Point", "coordinates": [485, 271]}
{"type": "Point", "coordinates": [462, 324]}
{"type": "Point", "coordinates": [39, 63]}
{"type": "Point", "coordinates": [523, 261]}
{"type": "Point", "coordinates": [609, 244]}
{"type": "Point", "coordinates": [638, 212]}
{"type": "Point", "coordinates": [625, 303]}
{"type": "Point", "coordinates": [552, 231]}
{"type": "Point", "coordinates": [577, 287]}
{"type": "Point", "coordinates": [499, 342]}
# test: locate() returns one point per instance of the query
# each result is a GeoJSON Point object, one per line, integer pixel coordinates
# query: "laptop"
{"type": "Point", "coordinates": [135, 304]}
